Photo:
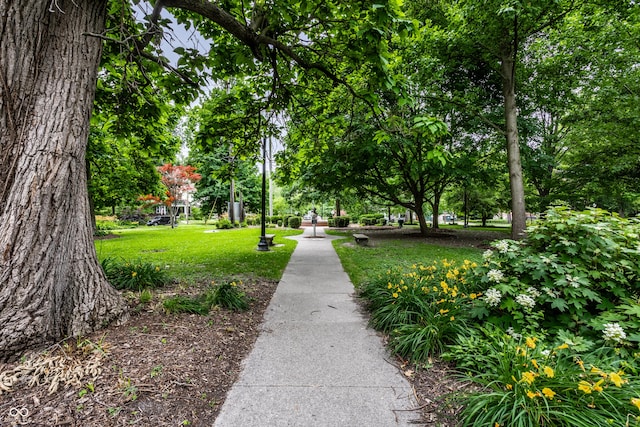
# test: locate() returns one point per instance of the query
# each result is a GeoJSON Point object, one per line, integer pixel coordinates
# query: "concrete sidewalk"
{"type": "Point", "coordinates": [316, 363]}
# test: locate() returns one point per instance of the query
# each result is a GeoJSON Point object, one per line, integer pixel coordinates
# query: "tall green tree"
{"type": "Point", "coordinates": [602, 165]}
{"type": "Point", "coordinates": [487, 41]}
{"type": "Point", "coordinates": [52, 283]}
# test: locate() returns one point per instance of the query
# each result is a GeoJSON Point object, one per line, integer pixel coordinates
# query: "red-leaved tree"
{"type": "Point", "coordinates": [180, 181]}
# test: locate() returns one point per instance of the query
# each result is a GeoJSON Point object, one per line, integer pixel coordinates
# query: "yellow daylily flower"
{"type": "Point", "coordinates": [548, 371]}
{"type": "Point", "coordinates": [529, 377]}
{"type": "Point", "coordinates": [584, 386]}
{"type": "Point", "coordinates": [548, 393]}
{"type": "Point", "coordinates": [636, 401]}
{"type": "Point", "coordinates": [616, 378]}
{"type": "Point", "coordinates": [598, 386]}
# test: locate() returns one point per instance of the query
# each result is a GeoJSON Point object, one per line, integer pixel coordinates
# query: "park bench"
{"type": "Point", "coordinates": [269, 238]}
{"type": "Point", "coordinates": [361, 239]}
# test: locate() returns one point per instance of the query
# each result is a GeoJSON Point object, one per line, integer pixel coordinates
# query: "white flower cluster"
{"type": "Point", "coordinates": [613, 332]}
{"type": "Point", "coordinates": [550, 292]}
{"type": "Point", "coordinates": [533, 292]}
{"type": "Point", "coordinates": [502, 246]}
{"type": "Point", "coordinates": [526, 301]}
{"type": "Point", "coordinates": [513, 333]}
{"type": "Point", "coordinates": [487, 254]}
{"type": "Point", "coordinates": [492, 297]}
{"type": "Point", "coordinates": [495, 275]}
{"type": "Point", "coordinates": [572, 281]}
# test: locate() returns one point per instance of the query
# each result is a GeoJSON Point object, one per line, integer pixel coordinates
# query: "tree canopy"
{"type": "Point", "coordinates": [49, 65]}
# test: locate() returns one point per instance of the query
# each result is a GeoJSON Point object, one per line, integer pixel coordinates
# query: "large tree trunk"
{"type": "Point", "coordinates": [424, 226]}
{"type": "Point", "coordinates": [519, 222]}
{"type": "Point", "coordinates": [51, 284]}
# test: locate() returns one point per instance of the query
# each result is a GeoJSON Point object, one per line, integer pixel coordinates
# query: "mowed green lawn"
{"type": "Point", "coordinates": [193, 253]}
{"type": "Point", "coordinates": [365, 262]}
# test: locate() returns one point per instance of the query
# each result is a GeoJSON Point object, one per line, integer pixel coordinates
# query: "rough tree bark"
{"type": "Point", "coordinates": [507, 70]}
{"type": "Point", "coordinates": [51, 283]}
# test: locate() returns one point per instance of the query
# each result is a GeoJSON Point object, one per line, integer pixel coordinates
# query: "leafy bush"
{"type": "Point", "coordinates": [106, 225]}
{"type": "Point", "coordinates": [575, 270]}
{"type": "Point", "coordinates": [340, 221]}
{"type": "Point", "coordinates": [252, 219]}
{"type": "Point", "coordinates": [196, 213]}
{"type": "Point", "coordinates": [295, 222]}
{"type": "Point", "coordinates": [370, 219]}
{"type": "Point", "coordinates": [527, 382]}
{"type": "Point", "coordinates": [133, 275]}
{"type": "Point", "coordinates": [274, 219]}
{"type": "Point", "coordinates": [223, 224]}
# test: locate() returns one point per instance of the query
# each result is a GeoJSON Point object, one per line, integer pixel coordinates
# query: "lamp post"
{"type": "Point", "coordinates": [263, 245]}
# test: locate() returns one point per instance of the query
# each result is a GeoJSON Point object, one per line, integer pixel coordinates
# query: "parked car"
{"type": "Point", "coordinates": [160, 220]}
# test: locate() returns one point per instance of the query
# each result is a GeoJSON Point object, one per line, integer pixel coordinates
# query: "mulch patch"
{"type": "Point", "coordinates": [158, 369]}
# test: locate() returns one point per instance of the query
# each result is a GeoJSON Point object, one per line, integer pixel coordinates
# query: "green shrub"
{"type": "Point", "coordinates": [341, 221]}
{"type": "Point", "coordinates": [196, 213]}
{"type": "Point", "coordinates": [527, 382]}
{"type": "Point", "coordinates": [571, 272]}
{"type": "Point", "coordinates": [279, 223]}
{"type": "Point", "coordinates": [106, 225]}
{"type": "Point", "coordinates": [133, 275]}
{"type": "Point", "coordinates": [275, 219]}
{"type": "Point", "coordinates": [253, 219]}
{"type": "Point", "coordinates": [295, 222]}
{"type": "Point", "coordinates": [223, 224]}
{"type": "Point", "coordinates": [370, 219]}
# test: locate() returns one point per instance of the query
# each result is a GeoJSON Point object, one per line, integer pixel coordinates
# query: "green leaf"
{"type": "Point", "coordinates": [559, 304]}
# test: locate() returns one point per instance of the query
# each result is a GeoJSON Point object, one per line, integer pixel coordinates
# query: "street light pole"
{"type": "Point", "coordinates": [263, 245]}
